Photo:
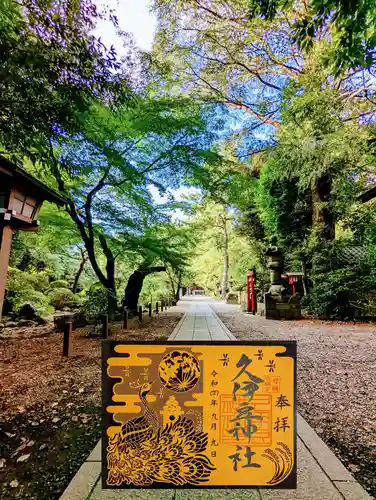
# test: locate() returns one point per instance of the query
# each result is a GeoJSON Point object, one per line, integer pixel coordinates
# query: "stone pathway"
{"type": "Point", "coordinates": [200, 322]}
{"type": "Point", "coordinates": [321, 476]}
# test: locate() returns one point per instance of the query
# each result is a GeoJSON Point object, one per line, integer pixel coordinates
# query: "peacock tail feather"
{"type": "Point", "coordinates": [174, 454]}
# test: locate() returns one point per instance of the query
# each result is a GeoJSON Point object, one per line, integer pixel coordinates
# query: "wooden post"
{"type": "Point", "coordinates": [249, 306]}
{"type": "Point", "coordinates": [162, 304]}
{"type": "Point", "coordinates": [140, 314]}
{"type": "Point", "coordinates": [156, 307]}
{"type": "Point", "coordinates": [304, 278]}
{"type": "Point", "coordinates": [125, 318]}
{"type": "Point", "coordinates": [150, 310]}
{"type": "Point", "coordinates": [67, 337]}
{"type": "Point", "coordinates": [254, 304]}
{"type": "Point", "coordinates": [104, 326]}
{"type": "Point", "coordinates": [6, 243]}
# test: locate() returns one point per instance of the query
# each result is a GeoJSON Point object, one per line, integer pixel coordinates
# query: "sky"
{"type": "Point", "coordinates": [134, 17]}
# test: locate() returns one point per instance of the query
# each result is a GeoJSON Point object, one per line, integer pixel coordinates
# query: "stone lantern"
{"type": "Point", "coordinates": [276, 303]}
{"type": "Point", "coordinates": [275, 262]}
{"type": "Point", "coordinates": [21, 196]}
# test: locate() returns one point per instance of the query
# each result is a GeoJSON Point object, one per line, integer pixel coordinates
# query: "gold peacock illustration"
{"type": "Point", "coordinates": [143, 452]}
{"type": "Point", "coordinates": [141, 428]}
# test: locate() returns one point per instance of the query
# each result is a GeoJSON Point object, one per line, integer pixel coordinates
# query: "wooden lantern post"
{"type": "Point", "coordinates": [21, 196]}
{"type": "Point", "coordinates": [6, 243]}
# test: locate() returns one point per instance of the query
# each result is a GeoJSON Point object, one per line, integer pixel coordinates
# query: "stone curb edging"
{"type": "Point", "coordinates": [342, 479]}
{"type": "Point", "coordinates": [222, 325]}
{"type": "Point", "coordinates": [177, 327]}
{"type": "Point", "coordinates": [345, 483]}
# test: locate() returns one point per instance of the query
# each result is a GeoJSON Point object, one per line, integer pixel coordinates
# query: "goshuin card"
{"type": "Point", "coordinates": [199, 414]}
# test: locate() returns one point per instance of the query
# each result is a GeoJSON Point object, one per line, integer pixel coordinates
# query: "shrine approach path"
{"type": "Point", "coordinates": [321, 476]}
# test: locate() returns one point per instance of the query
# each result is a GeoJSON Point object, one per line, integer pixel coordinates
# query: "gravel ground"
{"type": "Point", "coordinates": [50, 406]}
{"type": "Point", "coordinates": [336, 381]}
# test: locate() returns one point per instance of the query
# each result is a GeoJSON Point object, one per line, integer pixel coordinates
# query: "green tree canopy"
{"type": "Point", "coordinates": [350, 26]}
{"type": "Point", "coordinates": [51, 67]}
{"type": "Point", "coordinates": [106, 171]}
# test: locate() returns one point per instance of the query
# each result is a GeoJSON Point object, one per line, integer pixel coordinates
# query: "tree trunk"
{"type": "Point", "coordinates": [110, 282]}
{"type": "Point", "coordinates": [225, 259]}
{"type": "Point", "coordinates": [111, 291]}
{"type": "Point", "coordinates": [304, 280]}
{"type": "Point", "coordinates": [85, 227]}
{"type": "Point", "coordinates": [178, 288]}
{"type": "Point", "coordinates": [84, 258]}
{"type": "Point", "coordinates": [134, 286]}
{"type": "Point", "coordinates": [322, 216]}
{"type": "Point", "coordinates": [171, 278]}
{"type": "Point", "coordinates": [111, 288]}
{"type": "Point", "coordinates": [111, 303]}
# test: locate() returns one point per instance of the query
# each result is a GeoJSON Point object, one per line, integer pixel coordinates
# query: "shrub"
{"type": "Point", "coordinates": [40, 280]}
{"type": "Point", "coordinates": [82, 293]}
{"type": "Point", "coordinates": [63, 297]}
{"type": "Point", "coordinates": [95, 332]}
{"type": "Point", "coordinates": [96, 302]}
{"type": "Point", "coordinates": [58, 284]}
{"type": "Point", "coordinates": [340, 282]}
{"type": "Point", "coordinates": [36, 299]}
{"type": "Point", "coordinates": [18, 281]}
{"type": "Point", "coordinates": [24, 287]}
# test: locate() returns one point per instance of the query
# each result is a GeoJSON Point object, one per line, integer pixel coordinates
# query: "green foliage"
{"type": "Point", "coordinates": [16, 280]}
{"type": "Point", "coordinates": [41, 280]}
{"type": "Point", "coordinates": [207, 265]}
{"type": "Point", "coordinates": [117, 157]}
{"type": "Point", "coordinates": [37, 300]}
{"type": "Point", "coordinates": [244, 53]}
{"type": "Point", "coordinates": [95, 302]}
{"type": "Point", "coordinates": [96, 331]}
{"type": "Point", "coordinates": [351, 25]}
{"type": "Point", "coordinates": [285, 210]}
{"type": "Point", "coordinates": [155, 287]}
{"type": "Point", "coordinates": [63, 297]}
{"type": "Point", "coordinates": [51, 68]}
{"type": "Point", "coordinates": [314, 144]}
{"type": "Point", "coordinates": [242, 257]}
{"type": "Point", "coordinates": [359, 221]}
{"type": "Point", "coordinates": [212, 52]}
{"type": "Point", "coordinates": [295, 127]}
{"type": "Point", "coordinates": [340, 284]}
{"type": "Point", "coordinates": [314, 141]}
{"type": "Point", "coordinates": [22, 287]}
{"type": "Point", "coordinates": [58, 284]}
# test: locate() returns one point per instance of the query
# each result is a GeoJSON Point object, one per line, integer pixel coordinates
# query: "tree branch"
{"type": "Point", "coordinates": [89, 244]}
{"type": "Point", "coordinates": [354, 93]}
{"type": "Point", "coordinates": [89, 201]}
{"type": "Point", "coordinates": [217, 15]}
{"type": "Point", "coordinates": [237, 104]}
{"type": "Point", "coordinates": [55, 168]}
